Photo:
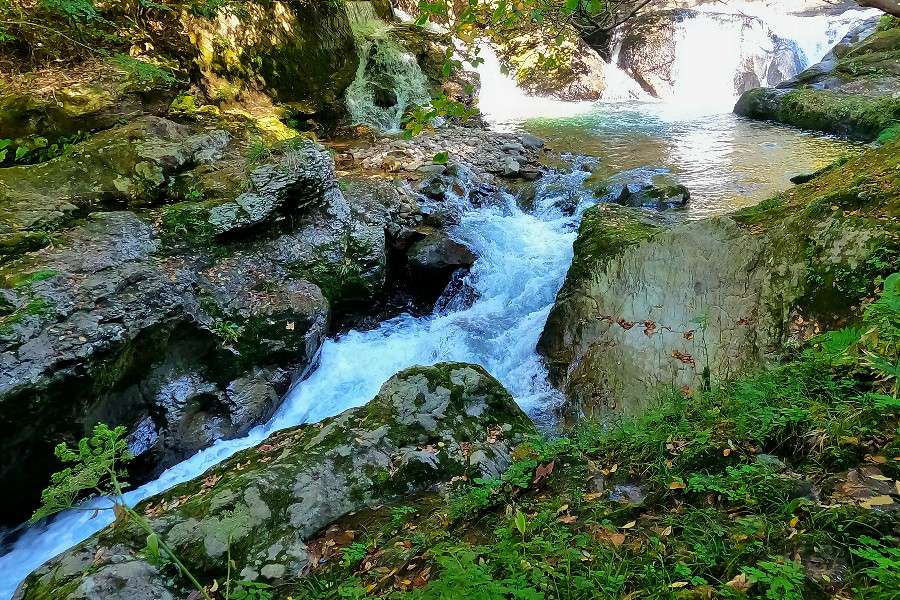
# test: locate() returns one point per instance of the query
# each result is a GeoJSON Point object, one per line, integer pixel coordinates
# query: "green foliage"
{"type": "Point", "coordinates": [83, 10]}
{"type": "Point", "coordinates": [97, 464]}
{"type": "Point", "coordinates": [419, 118]}
{"type": "Point", "coordinates": [782, 580]}
{"type": "Point", "coordinates": [353, 554]}
{"type": "Point", "coordinates": [251, 590]}
{"type": "Point", "coordinates": [143, 72]}
{"type": "Point", "coordinates": [883, 564]}
{"type": "Point", "coordinates": [400, 514]}
{"type": "Point", "coordinates": [37, 148]}
{"type": "Point", "coordinates": [463, 577]}
{"type": "Point", "coordinates": [228, 331]}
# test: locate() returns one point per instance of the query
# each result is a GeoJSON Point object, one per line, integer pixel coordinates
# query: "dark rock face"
{"type": "Point", "coordinates": [118, 334]}
{"type": "Point", "coordinates": [426, 426]}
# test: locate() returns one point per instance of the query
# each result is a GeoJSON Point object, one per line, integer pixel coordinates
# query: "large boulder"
{"type": "Point", "coordinates": [181, 350]}
{"type": "Point", "coordinates": [645, 309]}
{"type": "Point", "coordinates": [298, 52]}
{"type": "Point", "coordinates": [854, 92]}
{"type": "Point", "coordinates": [425, 427]}
{"type": "Point", "coordinates": [131, 165]}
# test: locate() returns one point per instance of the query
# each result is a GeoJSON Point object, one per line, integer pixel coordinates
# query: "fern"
{"type": "Point", "coordinates": [77, 10]}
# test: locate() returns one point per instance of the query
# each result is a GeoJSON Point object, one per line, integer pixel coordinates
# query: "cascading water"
{"type": "Point", "coordinates": [719, 55]}
{"type": "Point", "coordinates": [523, 258]}
{"type": "Point", "coordinates": [388, 79]}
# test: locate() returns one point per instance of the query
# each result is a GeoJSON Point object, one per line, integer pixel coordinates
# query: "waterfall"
{"type": "Point", "coordinates": [704, 58]}
{"type": "Point", "coordinates": [388, 79]}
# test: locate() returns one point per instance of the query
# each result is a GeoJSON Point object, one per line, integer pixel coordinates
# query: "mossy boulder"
{"type": "Point", "coordinates": [128, 166]}
{"type": "Point", "coordinates": [709, 300]}
{"type": "Point", "coordinates": [426, 426]}
{"type": "Point", "coordinates": [854, 92]}
{"type": "Point", "coordinates": [300, 52]}
{"type": "Point", "coordinates": [98, 96]}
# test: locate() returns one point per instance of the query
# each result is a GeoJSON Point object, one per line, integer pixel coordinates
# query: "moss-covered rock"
{"type": "Point", "coordinates": [426, 426]}
{"type": "Point", "coordinates": [104, 92]}
{"type": "Point", "coordinates": [853, 92]}
{"type": "Point", "coordinates": [130, 165]}
{"type": "Point", "coordinates": [712, 299]}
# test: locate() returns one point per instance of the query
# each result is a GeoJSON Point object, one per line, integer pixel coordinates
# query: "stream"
{"type": "Point", "coordinates": [496, 317]}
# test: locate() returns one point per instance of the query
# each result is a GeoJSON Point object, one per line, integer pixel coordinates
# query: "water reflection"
{"type": "Point", "coordinates": [727, 162]}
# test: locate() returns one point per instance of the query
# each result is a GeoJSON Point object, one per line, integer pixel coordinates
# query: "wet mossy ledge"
{"type": "Point", "coordinates": [853, 92]}
{"type": "Point", "coordinates": [646, 306]}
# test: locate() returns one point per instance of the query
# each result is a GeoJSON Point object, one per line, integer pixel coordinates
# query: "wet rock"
{"type": "Point", "coordinates": [182, 351]}
{"type": "Point", "coordinates": [435, 258]}
{"type": "Point", "coordinates": [302, 175]}
{"type": "Point", "coordinates": [130, 165]}
{"type": "Point", "coordinates": [644, 308]}
{"type": "Point", "coordinates": [644, 188]}
{"type": "Point", "coordinates": [426, 426]}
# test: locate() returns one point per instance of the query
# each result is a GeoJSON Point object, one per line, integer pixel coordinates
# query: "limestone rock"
{"type": "Point", "coordinates": [425, 426]}
{"type": "Point", "coordinates": [644, 309]}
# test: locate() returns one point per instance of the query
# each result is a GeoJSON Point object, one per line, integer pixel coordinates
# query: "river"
{"type": "Point", "coordinates": [523, 255]}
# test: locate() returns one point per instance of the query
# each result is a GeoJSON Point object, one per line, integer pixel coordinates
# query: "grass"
{"type": "Point", "coordinates": [734, 492]}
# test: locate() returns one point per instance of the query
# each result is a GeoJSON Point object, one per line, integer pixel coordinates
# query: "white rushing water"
{"type": "Point", "coordinates": [523, 258]}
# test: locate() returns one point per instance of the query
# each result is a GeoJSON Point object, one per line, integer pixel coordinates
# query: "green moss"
{"type": "Point", "coordinates": [187, 221]}
{"type": "Point", "coordinates": [36, 307]}
{"type": "Point", "coordinates": [24, 280]}
{"type": "Point", "coordinates": [890, 134]}
{"type": "Point", "coordinates": [858, 117]}
{"type": "Point", "coordinates": [606, 232]}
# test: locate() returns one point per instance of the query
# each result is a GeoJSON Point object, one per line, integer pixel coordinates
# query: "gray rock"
{"type": "Point", "coordinates": [426, 426]}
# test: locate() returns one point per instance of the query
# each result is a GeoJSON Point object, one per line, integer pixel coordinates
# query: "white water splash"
{"type": "Point", "coordinates": [388, 79]}
{"type": "Point", "coordinates": [501, 100]}
{"type": "Point", "coordinates": [719, 55]}
{"type": "Point", "coordinates": [523, 258]}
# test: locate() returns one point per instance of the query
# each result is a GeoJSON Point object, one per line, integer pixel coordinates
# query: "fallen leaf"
{"type": "Point", "coordinates": [666, 532]}
{"type": "Point", "coordinates": [567, 519]}
{"type": "Point", "coordinates": [678, 584]}
{"type": "Point", "coordinates": [543, 471]}
{"type": "Point", "coordinates": [879, 477]}
{"type": "Point", "coordinates": [629, 525]}
{"type": "Point", "coordinates": [677, 485]}
{"type": "Point", "coordinates": [876, 501]}
{"type": "Point", "coordinates": [591, 496]}
{"type": "Point", "coordinates": [726, 452]}
{"type": "Point", "coordinates": [739, 582]}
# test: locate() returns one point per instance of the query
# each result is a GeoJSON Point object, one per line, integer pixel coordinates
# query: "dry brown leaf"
{"type": "Point", "coordinates": [677, 485]}
{"type": "Point", "coordinates": [877, 501]}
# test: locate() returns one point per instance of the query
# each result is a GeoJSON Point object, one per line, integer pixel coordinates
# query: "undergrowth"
{"type": "Point", "coordinates": [776, 486]}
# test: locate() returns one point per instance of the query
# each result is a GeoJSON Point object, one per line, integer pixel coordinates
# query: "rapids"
{"type": "Point", "coordinates": [495, 319]}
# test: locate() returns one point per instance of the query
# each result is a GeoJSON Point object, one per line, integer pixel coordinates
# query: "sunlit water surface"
{"type": "Point", "coordinates": [727, 162]}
